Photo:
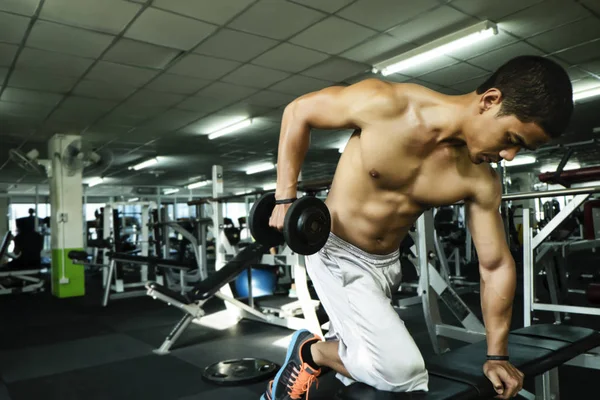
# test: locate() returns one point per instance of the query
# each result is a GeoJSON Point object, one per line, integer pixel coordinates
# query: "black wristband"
{"type": "Point", "coordinates": [497, 358]}
{"type": "Point", "coordinates": [286, 201]}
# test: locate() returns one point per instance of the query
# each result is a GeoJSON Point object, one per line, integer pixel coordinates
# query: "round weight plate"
{"type": "Point", "coordinates": [307, 225]}
{"type": "Point", "coordinates": [240, 371]}
{"type": "Point", "coordinates": [259, 222]}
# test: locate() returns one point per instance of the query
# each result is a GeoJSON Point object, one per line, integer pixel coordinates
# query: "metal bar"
{"type": "Point", "coordinates": [591, 361]}
{"type": "Point", "coordinates": [551, 193]}
{"type": "Point", "coordinates": [527, 268]}
{"type": "Point", "coordinates": [457, 333]}
{"type": "Point", "coordinates": [431, 309]}
{"type": "Point", "coordinates": [566, 309]}
{"type": "Point", "coordinates": [546, 385]}
{"type": "Point", "coordinates": [179, 328]}
{"type": "Point", "coordinates": [558, 219]}
{"type": "Point", "coordinates": [111, 271]}
{"type": "Point", "coordinates": [552, 286]}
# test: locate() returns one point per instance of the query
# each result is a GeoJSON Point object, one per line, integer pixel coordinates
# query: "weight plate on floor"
{"type": "Point", "coordinates": [307, 225]}
{"type": "Point", "coordinates": [258, 222]}
{"type": "Point", "coordinates": [240, 371]}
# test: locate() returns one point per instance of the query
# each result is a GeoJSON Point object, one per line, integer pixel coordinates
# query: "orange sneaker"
{"type": "Point", "coordinates": [295, 377]}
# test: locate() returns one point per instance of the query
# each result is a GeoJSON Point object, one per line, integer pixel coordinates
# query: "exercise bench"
{"type": "Point", "coordinates": [537, 351]}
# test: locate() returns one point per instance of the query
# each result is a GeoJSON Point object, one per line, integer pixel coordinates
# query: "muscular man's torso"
{"type": "Point", "coordinates": [390, 172]}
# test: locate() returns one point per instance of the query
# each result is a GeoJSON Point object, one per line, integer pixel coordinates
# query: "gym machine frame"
{"type": "Point", "coordinates": [110, 282]}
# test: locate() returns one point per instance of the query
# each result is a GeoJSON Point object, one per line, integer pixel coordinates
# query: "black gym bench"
{"type": "Point", "coordinates": [28, 280]}
{"type": "Point", "coordinates": [191, 303]}
{"type": "Point", "coordinates": [535, 350]}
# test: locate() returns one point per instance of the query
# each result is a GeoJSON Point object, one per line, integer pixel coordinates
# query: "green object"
{"type": "Point", "coordinates": [74, 284]}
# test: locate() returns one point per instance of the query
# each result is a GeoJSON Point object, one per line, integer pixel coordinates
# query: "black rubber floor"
{"type": "Point", "coordinates": [75, 349]}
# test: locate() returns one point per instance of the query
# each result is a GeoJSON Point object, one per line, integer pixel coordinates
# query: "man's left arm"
{"type": "Point", "coordinates": [497, 280]}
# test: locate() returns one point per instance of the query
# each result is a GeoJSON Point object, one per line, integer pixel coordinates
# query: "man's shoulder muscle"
{"type": "Point", "coordinates": [487, 190]}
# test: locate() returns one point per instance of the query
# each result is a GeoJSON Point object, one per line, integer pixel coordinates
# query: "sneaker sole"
{"type": "Point", "coordinates": [287, 359]}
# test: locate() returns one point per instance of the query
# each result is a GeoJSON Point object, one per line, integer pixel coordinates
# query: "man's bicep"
{"type": "Point", "coordinates": [487, 230]}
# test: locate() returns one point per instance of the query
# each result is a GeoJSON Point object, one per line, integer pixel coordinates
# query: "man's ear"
{"type": "Point", "coordinates": [490, 98]}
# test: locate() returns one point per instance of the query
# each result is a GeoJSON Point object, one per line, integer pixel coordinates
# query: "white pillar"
{"type": "Point", "coordinates": [66, 193]}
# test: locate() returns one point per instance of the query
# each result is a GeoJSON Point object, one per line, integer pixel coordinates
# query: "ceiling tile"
{"type": "Point", "coordinates": [109, 16]}
{"type": "Point", "coordinates": [431, 25]}
{"type": "Point", "coordinates": [103, 90]}
{"type": "Point", "coordinates": [592, 66]}
{"type": "Point", "coordinates": [574, 72]}
{"type": "Point", "coordinates": [226, 91]}
{"type": "Point", "coordinates": [336, 70]}
{"type": "Point", "coordinates": [57, 63]}
{"type": "Point", "coordinates": [329, 6]}
{"type": "Point", "coordinates": [234, 45]}
{"type": "Point", "coordinates": [139, 54]}
{"type": "Point", "coordinates": [299, 85]}
{"type": "Point", "coordinates": [581, 54]}
{"type": "Point", "coordinates": [494, 59]}
{"type": "Point", "coordinates": [289, 57]}
{"type": "Point", "coordinates": [593, 4]}
{"type": "Point", "coordinates": [567, 35]}
{"type": "Point", "coordinates": [216, 12]}
{"type": "Point", "coordinates": [149, 98]}
{"type": "Point", "coordinates": [15, 95]}
{"type": "Point", "coordinates": [542, 17]}
{"type": "Point", "coordinates": [384, 14]}
{"type": "Point", "coordinates": [374, 49]}
{"type": "Point", "coordinates": [455, 73]}
{"type": "Point", "coordinates": [12, 27]}
{"type": "Point", "coordinates": [65, 39]}
{"type": "Point", "coordinates": [120, 74]}
{"type": "Point", "coordinates": [492, 10]}
{"type": "Point", "coordinates": [170, 30]}
{"type": "Point", "coordinates": [129, 115]}
{"type": "Point", "coordinates": [470, 85]}
{"type": "Point", "coordinates": [7, 54]}
{"type": "Point", "coordinates": [271, 99]}
{"type": "Point", "coordinates": [333, 35]}
{"type": "Point", "coordinates": [25, 7]}
{"type": "Point", "coordinates": [177, 84]}
{"type": "Point", "coordinates": [172, 119]}
{"type": "Point", "coordinates": [41, 79]}
{"type": "Point", "coordinates": [254, 76]}
{"type": "Point", "coordinates": [500, 40]}
{"type": "Point", "coordinates": [82, 104]}
{"type": "Point", "coordinates": [215, 122]}
{"type": "Point", "coordinates": [23, 110]}
{"type": "Point", "coordinates": [203, 104]}
{"type": "Point", "coordinates": [203, 67]}
{"type": "Point", "coordinates": [276, 19]}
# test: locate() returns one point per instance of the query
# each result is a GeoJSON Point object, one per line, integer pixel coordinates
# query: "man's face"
{"type": "Point", "coordinates": [491, 139]}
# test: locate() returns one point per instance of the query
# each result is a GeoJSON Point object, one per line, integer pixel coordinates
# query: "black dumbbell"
{"type": "Point", "coordinates": [306, 225]}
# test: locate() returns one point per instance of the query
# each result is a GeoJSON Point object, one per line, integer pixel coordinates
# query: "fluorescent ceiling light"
{"type": "Point", "coordinates": [596, 129]}
{"type": "Point", "coordinates": [144, 164]}
{"type": "Point", "coordinates": [270, 186]}
{"type": "Point", "coordinates": [552, 167]}
{"type": "Point", "coordinates": [231, 128]}
{"type": "Point", "coordinates": [520, 160]}
{"type": "Point", "coordinates": [95, 181]}
{"type": "Point", "coordinates": [259, 168]}
{"type": "Point", "coordinates": [584, 94]}
{"type": "Point", "coordinates": [342, 148]}
{"type": "Point", "coordinates": [438, 48]}
{"type": "Point", "coordinates": [133, 199]}
{"type": "Point", "coordinates": [198, 184]}
{"type": "Point", "coordinates": [170, 191]}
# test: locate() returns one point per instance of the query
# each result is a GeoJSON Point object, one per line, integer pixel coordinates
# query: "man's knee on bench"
{"type": "Point", "coordinates": [392, 366]}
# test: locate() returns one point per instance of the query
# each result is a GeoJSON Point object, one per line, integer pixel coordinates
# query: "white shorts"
{"type": "Point", "coordinates": [356, 288]}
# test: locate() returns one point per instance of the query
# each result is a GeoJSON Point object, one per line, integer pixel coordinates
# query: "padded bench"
{"type": "Point", "coordinates": [458, 374]}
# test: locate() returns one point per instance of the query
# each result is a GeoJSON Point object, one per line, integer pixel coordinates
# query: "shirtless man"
{"type": "Point", "coordinates": [412, 149]}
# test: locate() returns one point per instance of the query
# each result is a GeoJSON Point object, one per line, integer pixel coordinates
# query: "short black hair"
{"type": "Point", "coordinates": [534, 89]}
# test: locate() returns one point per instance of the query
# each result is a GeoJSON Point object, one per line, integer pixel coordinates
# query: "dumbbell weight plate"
{"type": "Point", "coordinates": [258, 222]}
{"type": "Point", "coordinates": [307, 225]}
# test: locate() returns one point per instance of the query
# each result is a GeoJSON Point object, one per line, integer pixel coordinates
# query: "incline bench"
{"type": "Point", "coordinates": [192, 302]}
{"type": "Point", "coordinates": [535, 350]}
